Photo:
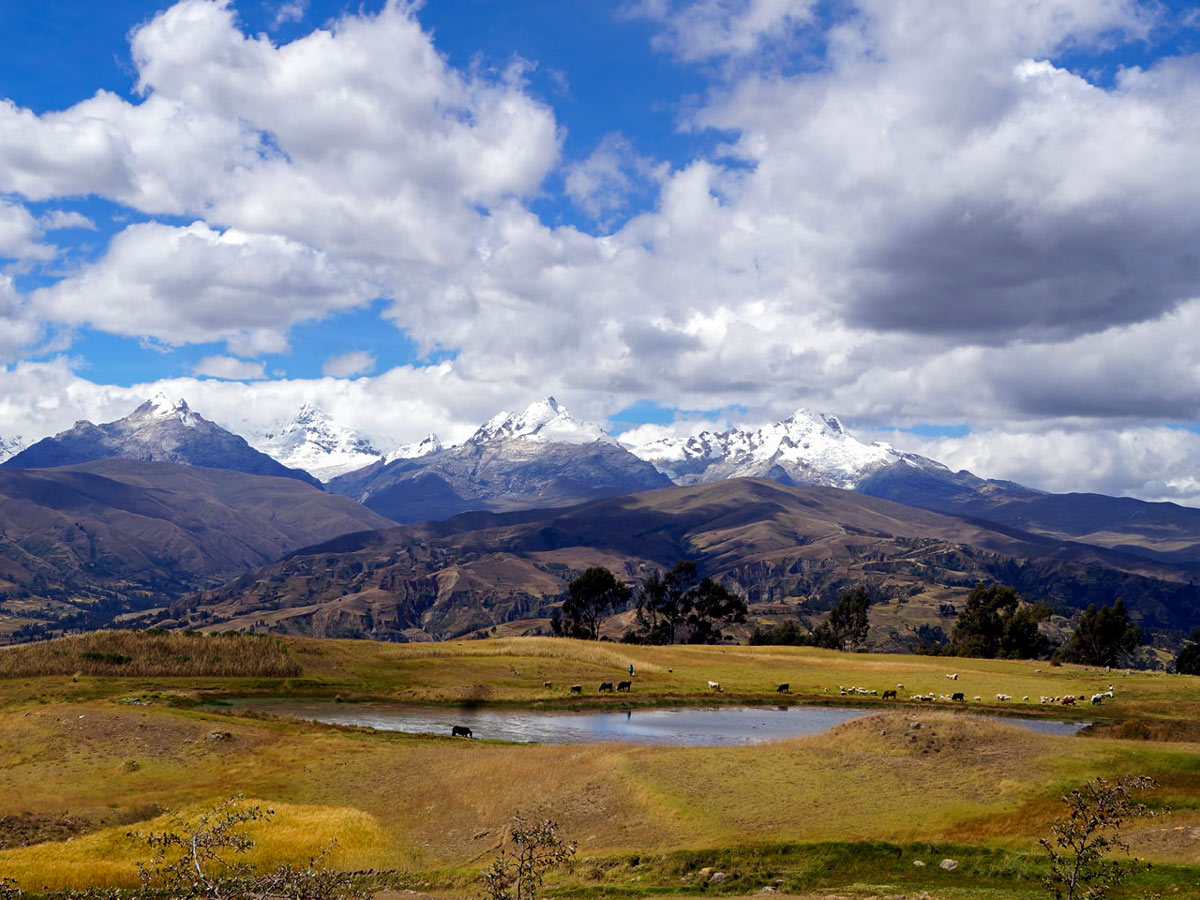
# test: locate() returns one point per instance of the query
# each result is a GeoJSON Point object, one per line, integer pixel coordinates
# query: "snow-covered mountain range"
{"type": "Point", "coordinates": [541, 456]}
{"type": "Point", "coordinates": [544, 457]}
{"type": "Point", "coordinates": [805, 448]}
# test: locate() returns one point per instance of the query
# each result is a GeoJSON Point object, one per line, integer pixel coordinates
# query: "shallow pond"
{"type": "Point", "coordinates": [695, 726]}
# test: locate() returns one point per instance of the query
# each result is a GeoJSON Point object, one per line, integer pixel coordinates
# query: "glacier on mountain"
{"type": "Point", "coordinates": [11, 446]}
{"type": "Point", "coordinates": [805, 448]}
{"type": "Point", "coordinates": [314, 442]}
{"type": "Point", "coordinates": [543, 422]}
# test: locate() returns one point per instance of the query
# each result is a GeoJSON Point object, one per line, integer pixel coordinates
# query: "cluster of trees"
{"type": "Point", "coordinates": [994, 623]}
{"type": "Point", "coordinates": [679, 607]}
{"type": "Point", "coordinates": [845, 628]}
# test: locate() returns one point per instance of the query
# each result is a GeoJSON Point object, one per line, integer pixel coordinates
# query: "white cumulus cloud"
{"type": "Point", "coordinates": [198, 284]}
{"type": "Point", "coordinates": [348, 365]}
{"type": "Point", "coordinates": [230, 367]}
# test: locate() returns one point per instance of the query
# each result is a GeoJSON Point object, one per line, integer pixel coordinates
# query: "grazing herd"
{"type": "Point", "coordinates": [608, 687]}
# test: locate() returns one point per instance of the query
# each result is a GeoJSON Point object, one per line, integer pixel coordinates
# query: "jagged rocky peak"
{"type": "Point", "coordinates": [545, 421]}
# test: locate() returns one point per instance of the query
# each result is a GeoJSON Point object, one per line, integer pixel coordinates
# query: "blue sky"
{"type": "Point", "coordinates": [965, 228]}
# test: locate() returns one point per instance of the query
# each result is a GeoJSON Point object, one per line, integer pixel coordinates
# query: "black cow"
{"type": "Point", "coordinates": [958, 695]}
{"type": "Point", "coordinates": [605, 686]}
{"type": "Point", "coordinates": [889, 695]}
{"type": "Point", "coordinates": [784, 688]}
{"type": "Point", "coordinates": [577, 689]}
{"type": "Point", "coordinates": [624, 685]}
{"type": "Point", "coordinates": [460, 731]}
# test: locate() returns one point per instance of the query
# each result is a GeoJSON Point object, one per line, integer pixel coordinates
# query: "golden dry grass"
{"type": "Point", "coordinates": [424, 802]}
{"type": "Point", "coordinates": [411, 802]}
{"type": "Point", "coordinates": [110, 856]}
{"type": "Point", "coordinates": [150, 654]}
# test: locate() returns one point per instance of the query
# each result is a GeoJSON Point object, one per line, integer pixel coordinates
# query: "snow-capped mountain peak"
{"type": "Point", "coordinates": [425, 446]}
{"type": "Point", "coordinates": [314, 442]}
{"type": "Point", "coordinates": [160, 406]}
{"type": "Point", "coordinates": [546, 422]}
{"type": "Point", "coordinates": [805, 448]}
{"type": "Point", "coordinates": [11, 446]}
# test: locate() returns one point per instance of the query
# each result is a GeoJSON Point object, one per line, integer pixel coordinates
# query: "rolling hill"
{"type": "Point", "coordinates": [788, 550]}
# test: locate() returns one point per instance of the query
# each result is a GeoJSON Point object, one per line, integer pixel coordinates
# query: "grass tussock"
{"type": "Point", "coordinates": [151, 653]}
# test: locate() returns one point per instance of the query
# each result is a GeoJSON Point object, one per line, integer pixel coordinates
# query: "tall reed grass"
{"type": "Point", "coordinates": [151, 653]}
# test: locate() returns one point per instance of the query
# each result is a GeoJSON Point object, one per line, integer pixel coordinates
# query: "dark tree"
{"type": "Point", "coordinates": [1103, 636]}
{"type": "Point", "coordinates": [994, 622]}
{"type": "Point", "coordinates": [791, 632]}
{"type": "Point", "coordinates": [1188, 660]}
{"type": "Point", "coordinates": [847, 624]}
{"type": "Point", "coordinates": [590, 597]}
{"type": "Point", "coordinates": [931, 639]}
{"type": "Point", "coordinates": [680, 607]}
{"type": "Point", "coordinates": [712, 605]}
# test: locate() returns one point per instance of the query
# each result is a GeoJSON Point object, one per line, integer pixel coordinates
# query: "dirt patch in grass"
{"type": "Point", "coordinates": [27, 829]}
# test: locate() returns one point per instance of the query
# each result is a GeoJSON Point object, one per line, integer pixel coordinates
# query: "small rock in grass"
{"type": "Point", "coordinates": [717, 877]}
{"type": "Point", "coordinates": [948, 864]}
{"type": "Point", "coordinates": [920, 864]}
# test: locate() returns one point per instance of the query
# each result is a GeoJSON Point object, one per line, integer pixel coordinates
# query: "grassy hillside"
{"type": "Point", "coordinates": [852, 807]}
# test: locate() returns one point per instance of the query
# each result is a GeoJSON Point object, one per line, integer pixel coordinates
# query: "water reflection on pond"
{"type": "Point", "coordinates": [709, 726]}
